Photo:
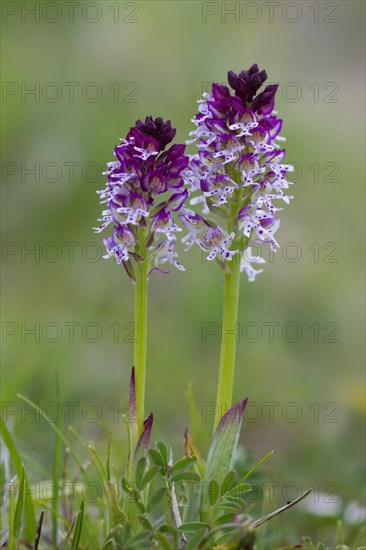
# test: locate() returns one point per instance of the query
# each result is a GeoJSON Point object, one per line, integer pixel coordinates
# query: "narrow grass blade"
{"type": "Point", "coordinates": [78, 527]}
{"type": "Point", "coordinates": [29, 514]}
{"type": "Point", "coordinates": [57, 464]}
{"type": "Point", "coordinates": [256, 466]}
{"type": "Point", "coordinates": [54, 428]}
{"type": "Point", "coordinates": [95, 459]}
{"type": "Point", "coordinates": [103, 471]}
{"type": "Point", "coordinates": [192, 411]}
{"type": "Point", "coordinates": [11, 515]}
{"type": "Point", "coordinates": [19, 508]}
{"type": "Point", "coordinates": [108, 456]}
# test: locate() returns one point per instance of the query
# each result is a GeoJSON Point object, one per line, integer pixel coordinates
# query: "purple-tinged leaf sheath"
{"type": "Point", "coordinates": [224, 443]}
{"type": "Point", "coordinates": [222, 450]}
{"type": "Point", "coordinates": [144, 441]}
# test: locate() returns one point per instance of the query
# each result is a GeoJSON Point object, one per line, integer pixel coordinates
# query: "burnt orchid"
{"type": "Point", "coordinates": [238, 178]}
{"type": "Point", "coordinates": [143, 228]}
{"type": "Point", "coordinates": [154, 501]}
{"type": "Point", "coordinates": [143, 190]}
{"type": "Point", "coordinates": [237, 173]}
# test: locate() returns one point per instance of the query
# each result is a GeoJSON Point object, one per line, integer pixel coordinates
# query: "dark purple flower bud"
{"type": "Point", "coordinates": [247, 83]}
{"type": "Point", "coordinates": [255, 80]}
{"type": "Point", "coordinates": [220, 92]}
{"type": "Point", "coordinates": [176, 151]}
{"type": "Point", "coordinates": [144, 140]}
{"type": "Point", "coordinates": [263, 104]}
{"type": "Point", "coordinates": [161, 131]}
{"type": "Point", "coordinates": [172, 163]}
{"type": "Point", "coordinates": [239, 84]}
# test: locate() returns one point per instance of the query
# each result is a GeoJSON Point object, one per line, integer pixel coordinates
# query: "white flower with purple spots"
{"type": "Point", "coordinates": [212, 239]}
{"type": "Point", "coordinates": [246, 264]}
{"type": "Point", "coordinates": [165, 253]}
{"type": "Point", "coordinates": [216, 241]}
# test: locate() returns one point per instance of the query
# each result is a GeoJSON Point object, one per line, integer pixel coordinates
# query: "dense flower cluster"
{"type": "Point", "coordinates": [238, 172]}
{"type": "Point", "coordinates": [144, 188]}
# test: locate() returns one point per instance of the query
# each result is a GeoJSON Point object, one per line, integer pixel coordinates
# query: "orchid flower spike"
{"type": "Point", "coordinates": [237, 174]}
{"type": "Point", "coordinates": [144, 188]}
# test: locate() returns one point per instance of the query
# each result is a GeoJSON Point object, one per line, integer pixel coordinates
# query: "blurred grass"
{"type": "Point", "coordinates": [170, 53]}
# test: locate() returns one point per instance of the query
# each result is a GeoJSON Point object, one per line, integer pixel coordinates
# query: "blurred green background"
{"type": "Point", "coordinates": [92, 80]}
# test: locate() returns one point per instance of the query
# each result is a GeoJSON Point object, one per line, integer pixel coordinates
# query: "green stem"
{"type": "Point", "coordinates": [230, 317]}
{"type": "Point", "coordinates": [141, 335]}
{"type": "Point", "coordinates": [228, 338]}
